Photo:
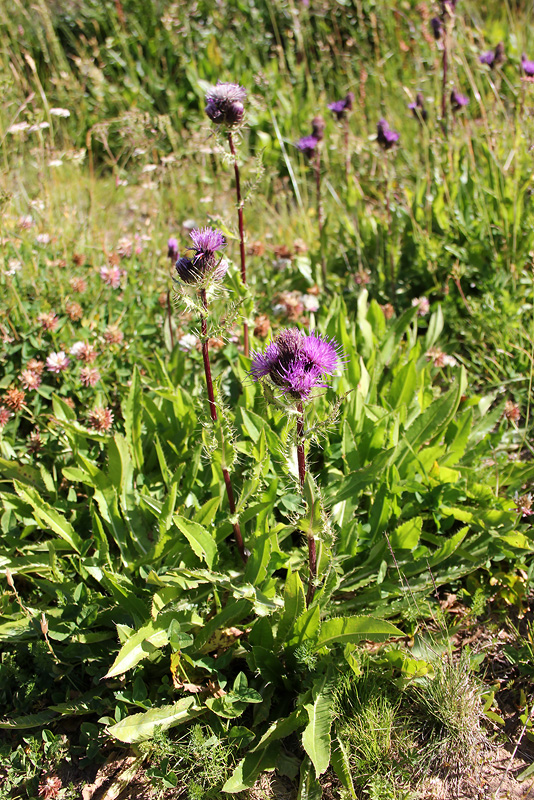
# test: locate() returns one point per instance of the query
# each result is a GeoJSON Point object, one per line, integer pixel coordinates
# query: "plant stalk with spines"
{"type": "Point", "coordinates": [203, 270]}
{"type": "Point", "coordinates": [295, 365]}
{"type": "Point", "coordinates": [241, 231]}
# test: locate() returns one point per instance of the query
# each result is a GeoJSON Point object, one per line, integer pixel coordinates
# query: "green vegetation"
{"type": "Point", "coordinates": [385, 515]}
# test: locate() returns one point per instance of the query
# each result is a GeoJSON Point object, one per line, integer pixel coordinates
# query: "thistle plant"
{"type": "Point", "coordinates": [339, 109]}
{"type": "Point", "coordinates": [225, 106]}
{"type": "Point", "coordinates": [203, 270]}
{"type": "Point", "coordinates": [295, 365]}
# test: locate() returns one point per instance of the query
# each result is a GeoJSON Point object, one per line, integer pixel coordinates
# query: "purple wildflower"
{"type": "Point", "coordinates": [418, 108]}
{"type": "Point", "coordinates": [527, 66]}
{"type": "Point", "coordinates": [307, 145]}
{"type": "Point", "coordinates": [338, 107]}
{"type": "Point", "coordinates": [488, 57]}
{"type": "Point", "coordinates": [458, 101]}
{"type": "Point", "coordinates": [386, 138]}
{"type": "Point", "coordinates": [205, 266]}
{"type": "Point", "coordinates": [296, 363]}
{"type": "Point", "coordinates": [225, 103]}
{"type": "Point", "coordinates": [172, 249]}
{"type": "Point", "coordinates": [437, 27]}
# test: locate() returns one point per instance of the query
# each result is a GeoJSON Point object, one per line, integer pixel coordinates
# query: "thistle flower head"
{"type": "Point", "coordinates": [307, 145]}
{"type": "Point", "coordinates": [172, 249]}
{"type": "Point", "coordinates": [385, 137]}
{"type": "Point", "coordinates": [296, 363]}
{"type": "Point", "coordinates": [437, 27]}
{"type": "Point", "coordinates": [225, 103]}
{"type": "Point", "coordinates": [339, 107]}
{"type": "Point", "coordinates": [204, 266]}
{"type": "Point", "coordinates": [458, 100]}
{"type": "Point", "coordinates": [418, 108]}
{"type": "Point", "coordinates": [527, 66]}
{"type": "Point", "coordinates": [488, 57]}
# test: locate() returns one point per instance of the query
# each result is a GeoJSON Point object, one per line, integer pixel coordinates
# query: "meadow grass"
{"type": "Point", "coordinates": [126, 610]}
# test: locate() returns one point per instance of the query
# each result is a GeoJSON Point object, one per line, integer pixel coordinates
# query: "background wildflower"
{"type": "Point", "coordinates": [225, 103]}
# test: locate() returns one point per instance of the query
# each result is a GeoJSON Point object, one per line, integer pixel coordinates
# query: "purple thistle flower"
{"type": "Point", "coordinates": [418, 108]}
{"type": "Point", "coordinates": [437, 27]}
{"type": "Point", "coordinates": [307, 145]}
{"type": "Point", "coordinates": [225, 103]}
{"type": "Point", "coordinates": [207, 240]}
{"type": "Point", "coordinates": [296, 363]}
{"type": "Point", "coordinates": [338, 107]}
{"type": "Point", "coordinates": [172, 249]}
{"type": "Point", "coordinates": [527, 66]}
{"type": "Point", "coordinates": [385, 137]}
{"type": "Point", "coordinates": [488, 57]}
{"type": "Point", "coordinates": [205, 266]}
{"type": "Point", "coordinates": [458, 101]}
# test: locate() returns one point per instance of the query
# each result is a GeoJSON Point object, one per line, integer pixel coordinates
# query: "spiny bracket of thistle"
{"type": "Point", "coordinates": [320, 429]}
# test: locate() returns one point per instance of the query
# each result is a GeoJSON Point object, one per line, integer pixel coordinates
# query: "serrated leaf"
{"type": "Point", "coordinates": [316, 736]}
{"type": "Point", "coordinates": [294, 605]}
{"type": "Point", "coordinates": [339, 759]}
{"type": "Point", "coordinates": [47, 517]}
{"type": "Point", "coordinates": [140, 727]}
{"type": "Point", "coordinates": [199, 538]}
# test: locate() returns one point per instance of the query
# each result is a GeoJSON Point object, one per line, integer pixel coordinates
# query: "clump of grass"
{"type": "Point", "coordinates": [199, 763]}
{"type": "Point", "coordinates": [449, 707]}
{"type": "Point", "coordinates": [377, 733]}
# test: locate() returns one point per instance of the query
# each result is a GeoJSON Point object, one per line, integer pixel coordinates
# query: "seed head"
{"type": "Point", "coordinates": [74, 311]}
{"type": "Point", "coordinates": [318, 126]}
{"type": "Point", "coordinates": [78, 285]}
{"type": "Point", "coordinates": [113, 335]}
{"type": "Point", "coordinates": [172, 249]}
{"type": "Point", "coordinates": [14, 398]}
{"type": "Point", "coordinates": [48, 321]}
{"type": "Point", "coordinates": [100, 419]}
{"type": "Point", "coordinates": [112, 276]}
{"type": "Point", "coordinates": [512, 411]}
{"type": "Point", "coordinates": [225, 103]}
{"type": "Point", "coordinates": [89, 376]}
{"type": "Point", "coordinates": [5, 415]}
{"type": "Point", "coordinates": [30, 380]}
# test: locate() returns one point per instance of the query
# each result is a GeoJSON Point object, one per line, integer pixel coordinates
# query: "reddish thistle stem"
{"type": "Point", "coordinates": [241, 230]}
{"type": "Point", "coordinates": [320, 212]}
{"type": "Point", "coordinates": [213, 414]}
{"type": "Point", "coordinates": [301, 459]}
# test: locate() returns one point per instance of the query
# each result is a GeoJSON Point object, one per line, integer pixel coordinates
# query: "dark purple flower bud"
{"type": "Point", "coordinates": [385, 137]}
{"type": "Point", "coordinates": [172, 249]}
{"type": "Point", "coordinates": [296, 363]}
{"type": "Point", "coordinates": [339, 107]}
{"type": "Point", "coordinates": [307, 145]}
{"type": "Point", "coordinates": [527, 66]}
{"type": "Point", "coordinates": [418, 108]}
{"type": "Point", "coordinates": [458, 101]}
{"type": "Point", "coordinates": [500, 55]}
{"type": "Point", "coordinates": [224, 103]}
{"type": "Point", "coordinates": [318, 126]}
{"type": "Point", "coordinates": [437, 27]}
{"type": "Point", "coordinates": [205, 266]}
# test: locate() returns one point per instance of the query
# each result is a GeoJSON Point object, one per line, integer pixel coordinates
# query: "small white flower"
{"type": "Point", "coordinates": [60, 112]}
{"type": "Point", "coordinates": [56, 162]}
{"type": "Point", "coordinates": [18, 127]}
{"type": "Point", "coordinates": [77, 348]}
{"type": "Point", "coordinates": [43, 238]}
{"type": "Point", "coordinates": [187, 342]}
{"type": "Point", "coordinates": [310, 302]}
{"type": "Point", "coordinates": [13, 266]}
{"type": "Point", "coordinates": [40, 126]}
{"type": "Point", "coordinates": [149, 168]}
